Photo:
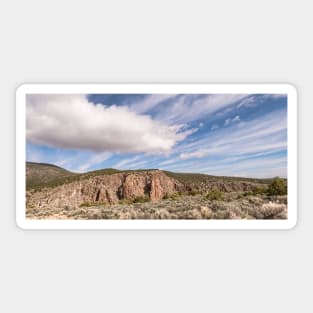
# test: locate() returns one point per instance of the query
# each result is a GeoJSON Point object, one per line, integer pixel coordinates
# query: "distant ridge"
{"type": "Point", "coordinates": [45, 164]}
{"type": "Point", "coordinates": [41, 175]}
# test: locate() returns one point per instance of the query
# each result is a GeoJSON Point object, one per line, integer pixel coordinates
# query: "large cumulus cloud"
{"type": "Point", "coordinates": [71, 122]}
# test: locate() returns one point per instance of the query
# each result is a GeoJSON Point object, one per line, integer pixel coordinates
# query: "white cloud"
{"type": "Point", "coordinates": [236, 119]}
{"type": "Point", "coordinates": [248, 102]}
{"type": "Point", "coordinates": [149, 103]}
{"type": "Point", "coordinates": [258, 137]}
{"type": "Point", "coordinates": [183, 111]}
{"type": "Point", "coordinates": [255, 167]}
{"type": "Point", "coordinates": [167, 162]}
{"type": "Point", "coordinates": [261, 167]}
{"type": "Point", "coordinates": [196, 154]}
{"type": "Point", "coordinates": [276, 96]}
{"type": "Point", "coordinates": [228, 121]}
{"type": "Point", "coordinates": [126, 162]}
{"type": "Point", "coordinates": [71, 122]}
{"type": "Point", "coordinates": [94, 160]}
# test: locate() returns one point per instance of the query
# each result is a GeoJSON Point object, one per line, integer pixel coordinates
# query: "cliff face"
{"type": "Point", "coordinates": [153, 185]}
{"type": "Point", "coordinates": [107, 189]}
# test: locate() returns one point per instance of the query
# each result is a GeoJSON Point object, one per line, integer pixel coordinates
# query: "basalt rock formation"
{"type": "Point", "coordinates": [49, 186]}
{"type": "Point", "coordinates": [152, 185]}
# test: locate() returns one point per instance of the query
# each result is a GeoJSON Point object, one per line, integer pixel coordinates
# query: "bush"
{"type": "Point", "coordinates": [248, 193]}
{"type": "Point", "coordinates": [192, 193]}
{"type": "Point", "coordinates": [141, 199]}
{"type": "Point", "coordinates": [277, 187]}
{"type": "Point", "coordinates": [89, 204]}
{"type": "Point", "coordinates": [125, 201]}
{"type": "Point", "coordinates": [214, 195]}
{"type": "Point", "coordinates": [85, 204]}
{"type": "Point", "coordinates": [172, 196]}
{"type": "Point", "coordinates": [221, 215]}
{"type": "Point", "coordinates": [239, 196]}
{"type": "Point", "coordinates": [258, 190]}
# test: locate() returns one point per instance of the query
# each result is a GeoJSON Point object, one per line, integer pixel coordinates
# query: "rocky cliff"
{"type": "Point", "coordinates": [53, 187]}
{"type": "Point", "coordinates": [153, 185]}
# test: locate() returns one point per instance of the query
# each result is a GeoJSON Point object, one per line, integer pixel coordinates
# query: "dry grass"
{"type": "Point", "coordinates": [230, 206]}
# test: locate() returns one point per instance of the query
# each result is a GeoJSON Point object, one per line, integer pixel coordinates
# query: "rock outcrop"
{"type": "Point", "coordinates": [153, 185]}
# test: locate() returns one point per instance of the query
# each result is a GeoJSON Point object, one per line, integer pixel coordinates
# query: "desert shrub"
{"type": "Point", "coordinates": [259, 190]}
{"type": "Point", "coordinates": [162, 214]}
{"type": "Point", "coordinates": [125, 201]}
{"type": "Point", "coordinates": [214, 194]}
{"type": "Point", "coordinates": [192, 193]}
{"type": "Point", "coordinates": [89, 204]}
{"type": "Point", "coordinates": [206, 212]}
{"type": "Point", "coordinates": [269, 211]}
{"type": "Point", "coordinates": [240, 196]}
{"type": "Point", "coordinates": [85, 204]}
{"type": "Point", "coordinates": [221, 215]}
{"type": "Point", "coordinates": [141, 199]}
{"type": "Point", "coordinates": [277, 187]}
{"type": "Point", "coordinates": [175, 195]}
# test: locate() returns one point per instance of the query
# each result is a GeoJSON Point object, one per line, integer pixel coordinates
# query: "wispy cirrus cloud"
{"type": "Point", "coordinates": [218, 134]}
{"type": "Point", "coordinates": [93, 160]}
{"type": "Point", "coordinates": [186, 108]}
{"type": "Point", "coordinates": [149, 102]}
{"type": "Point", "coordinates": [229, 121]}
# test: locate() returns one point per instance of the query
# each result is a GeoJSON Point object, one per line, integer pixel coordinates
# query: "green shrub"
{"type": "Point", "coordinates": [259, 190]}
{"type": "Point", "coordinates": [240, 196]}
{"type": "Point", "coordinates": [173, 196]}
{"type": "Point", "coordinates": [221, 215]}
{"type": "Point", "coordinates": [141, 199]}
{"type": "Point", "coordinates": [277, 187]}
{"type": "Point", "coordinates": [125, 201]}
{"type": "Point", "coordinates": [89, 204]}
{"type": "Point", "coordinates": [214, 194]}
{"type": "Point", "coordinates": [85, 204]}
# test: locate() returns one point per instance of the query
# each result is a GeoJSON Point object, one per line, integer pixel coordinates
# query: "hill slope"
{"type": "Point", "coordinates": [42, 174]}
{"type": "Point", "coordinates": [109, 193]}
{"type": "Point", "coordinates": [195, 178]}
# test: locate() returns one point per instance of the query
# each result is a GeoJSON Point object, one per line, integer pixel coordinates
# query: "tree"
{"type": "Point", "coordinates": [277, 187]}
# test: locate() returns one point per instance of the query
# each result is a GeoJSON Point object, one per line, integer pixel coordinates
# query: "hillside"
{"type": "Point", "coordinates": [53, 192]}
{"type": "Point", "coordinates": [195, 178]}
{"type": "Point", "coordinates": [41, 175]}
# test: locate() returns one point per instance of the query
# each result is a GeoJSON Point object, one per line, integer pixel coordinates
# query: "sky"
{"type": "Point", "coordinates": [218, 134]}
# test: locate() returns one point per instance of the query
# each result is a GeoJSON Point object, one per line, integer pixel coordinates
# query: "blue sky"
{"type": "Point", "coordinates": [217, 134]}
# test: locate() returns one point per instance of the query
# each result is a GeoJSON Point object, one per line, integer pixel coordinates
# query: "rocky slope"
{"type": "Point", "coordinates": [153, 185]}
{"type": "Point", "coordinates": [60, 189]}
{"type": "Point", "coordinates": [42, 174]}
